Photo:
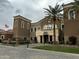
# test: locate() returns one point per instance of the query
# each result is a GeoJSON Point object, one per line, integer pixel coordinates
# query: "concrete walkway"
{"type": "Point", "coordinates": [22, 52]}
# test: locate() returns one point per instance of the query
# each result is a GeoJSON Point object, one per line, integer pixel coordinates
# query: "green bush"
{"type": "Point", "coordinates": [72, 40]}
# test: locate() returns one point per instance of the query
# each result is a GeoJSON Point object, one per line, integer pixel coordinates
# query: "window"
{"type": "Point", "coordinates": [22, 24]}
{"type": "Point", "coordinates": [62, 26]}
{"type": "Point", "coordinates": [16, 23]}
{"type": "Point", "coordinates": [35, 29]}
{"type": "Point", "coordinates": [55, 26]}
{"type": "Point", "coordinates": [31, 29]}
{"type": "Point", "coordinates": [28, 26]}
{"type": "Point", "coordinates": [49, 26]}
{"type": "Point", "coordinates": [2, 36]}
{"type": "Point", "coordinates": [71, 14]}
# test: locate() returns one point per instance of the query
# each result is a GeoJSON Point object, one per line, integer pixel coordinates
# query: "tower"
{"type": "Point", "coordinates": [21, 29]}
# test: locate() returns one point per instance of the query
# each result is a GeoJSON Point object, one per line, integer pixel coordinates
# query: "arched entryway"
{"type": "Point", "coordinates": [35, 39]}
{"type": "Point", "coordinates": [45, 35]}
{"type": "Point", "coordinates": [41, 41]}
{"type": "Point", "coordinates": [45, 38]}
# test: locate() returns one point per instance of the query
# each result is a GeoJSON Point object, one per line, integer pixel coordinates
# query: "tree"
{"type": "Point", "coordinates": [60, 29]}
{"type": "Point", "coordinates": [53, 13]}
{"type": "Point", "coordinates": [76, 5]}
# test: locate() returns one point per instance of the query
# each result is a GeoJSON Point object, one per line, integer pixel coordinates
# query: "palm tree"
{"type": "Point", "coordinates": [53, 13]}
{"type": "Point", "coordinates": [76, 4]}
{"type": "Point", "coordinates": [60, 31]}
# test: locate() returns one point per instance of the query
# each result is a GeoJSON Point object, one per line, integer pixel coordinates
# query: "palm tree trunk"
{"type": "Point", "coordinates": [59, 31]}
{"type": "Point", "coordinates": [54, 34]}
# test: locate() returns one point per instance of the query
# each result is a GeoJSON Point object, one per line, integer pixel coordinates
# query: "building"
{"type": "Point", "coordinates": [39, 32]}
{"type": "Point", "coordinates": [6, 36]}
{"type": "Point", "coordinates": [71, 24]}
{"type": "Point", "coordinates": [42, 31]}
{"type": "Point", "coordinates": [21, 29]}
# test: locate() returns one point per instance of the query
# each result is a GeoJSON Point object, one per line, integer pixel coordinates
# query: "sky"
{"type": "Point", "coordinates": [31, 9]}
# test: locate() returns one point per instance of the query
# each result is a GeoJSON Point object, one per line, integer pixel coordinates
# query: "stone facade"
{"type": "Point", "coordinates": [42, 31]}
{"type": "Point", "coordinates": [6, 36]}
{"type": "Point", "coordinates": [39, 32]}
{"type": "Point", "coordinates": [21, 29]}
{"type": "Point", "coordinates": [71, 23]}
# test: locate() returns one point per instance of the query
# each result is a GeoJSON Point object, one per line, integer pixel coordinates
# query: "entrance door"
{"type": "Point", "coordinates": [35, 39]}
{"type": "Point", "coordinates": [45, 38]}
{"type": "Point", "coordinates": [40, 39]}
{"type": "Point", "coordinates": [50, 38]}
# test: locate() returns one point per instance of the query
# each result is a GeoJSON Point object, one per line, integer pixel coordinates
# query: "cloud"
{"type": "Point", "coordinates": [31, 9]}
{"type": "Point", "coordinates": [5, 4]}
{"type": "Point", "coordinates": [5, 10]}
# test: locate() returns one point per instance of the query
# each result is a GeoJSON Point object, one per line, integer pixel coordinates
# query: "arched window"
{"type": "Point", "coordinates": [49, 26]}
{"type": "Point", "coordinates": [22, 24]}
{"type": "Point", "coordinates": [15, 23]}
{"type": "Point", "coordinates": [35, 29]}
{"type": "Point", "coordinates": [28, 26]}
{"type": "Point", "coordinates": [71, 14]}
{"type": "Point", "coordinates": [31, 29]}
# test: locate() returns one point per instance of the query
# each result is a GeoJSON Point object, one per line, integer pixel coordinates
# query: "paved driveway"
{"type": "Point", "coordinates": [21, 52]}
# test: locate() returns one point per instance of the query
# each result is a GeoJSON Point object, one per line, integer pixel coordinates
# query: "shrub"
{"type": "Point", "coordinates": [72, 40]}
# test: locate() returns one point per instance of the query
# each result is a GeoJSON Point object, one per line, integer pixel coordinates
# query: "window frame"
{"type": "Point", "coordinates": [69, 16]}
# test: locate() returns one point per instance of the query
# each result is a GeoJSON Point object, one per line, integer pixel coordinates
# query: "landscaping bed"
{"type": "Point", "coordinates": [59, 48]}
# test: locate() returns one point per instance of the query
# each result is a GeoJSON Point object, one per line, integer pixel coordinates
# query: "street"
{"type": "Point", "coordinates": [22, 52]}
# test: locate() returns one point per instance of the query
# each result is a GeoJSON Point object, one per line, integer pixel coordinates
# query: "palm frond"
{"type": "Point", "coordinates": [47, 10]}
{"type": "Point", "coordinates": [76, 5]}
{"type": "Point", "coordinates": [53, 11]}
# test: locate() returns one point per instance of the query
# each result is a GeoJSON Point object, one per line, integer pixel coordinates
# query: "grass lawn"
{"type": "Point", "coordinates": [58, 48]}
